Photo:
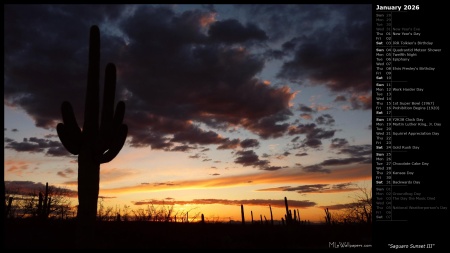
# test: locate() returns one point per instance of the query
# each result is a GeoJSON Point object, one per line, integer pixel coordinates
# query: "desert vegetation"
{"type": "Point", "coordinates": [160, 226]}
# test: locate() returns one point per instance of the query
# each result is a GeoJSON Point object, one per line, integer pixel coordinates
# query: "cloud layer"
{"type": "Point", "coordinates": [178, 71]}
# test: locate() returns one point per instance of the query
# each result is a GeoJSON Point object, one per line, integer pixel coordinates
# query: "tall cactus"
{"type": "Point", "coordinates": [288, 212]}
{"type": "Point", "coordinates": [327, 216]}
{"type": "Point", "coordinates": [100, 140]}
{"type": "Point", "coordinates": [44, 204]}
{"type": "Point", "coordinates": [8, 207]}
{"type": "Point", "coordinates": [242, 214]}
{"type": "Point", "coordinates": [271, 215]}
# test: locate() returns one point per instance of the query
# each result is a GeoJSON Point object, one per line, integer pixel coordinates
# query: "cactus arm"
{"type": "Point", "coordinates": [91, 110]}
{"type": "Point", "coordinates": [106, 124]}
{"type": "Point", "coordinates": [108, 96]}
{"type": "Point", "coordinates": [112, 133]}
{"type": "Point", "coordinates": [69, 132]}
{"type": "Point", "coordinates": [118, 137]}
{"type": "Point", "coordinates": [119, 114]}
{"type": "Point", "coordinates": [116, 144]}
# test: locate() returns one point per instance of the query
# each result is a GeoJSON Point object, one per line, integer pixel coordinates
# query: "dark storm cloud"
{"type": "Point", "coordinates": [342, 161]}
{"type": "Point", "coordinates": [358, 102]}
{"type": "Point", "coordinates": [173, 70]}
{"type": "Point", "coordinates": [306, 111]}
{"type": "Point", "coordinates": [250, 158]}
{"type": "Point", "coordinates": [247, 202]}
{"type": "Point", "coordinates": [154, 139]}
{"type": "Point", "coordinates": [268, 127]}
{"type": "Point", "coordinates": [37, 145]}
{"type": "Point", "coordinates": [177, 70]}
{"type": "Point", "coordinates": [359, 154]}
{"type": "Point", "coordinates": [316, 168]}
{"type": "Point", "coordinates": [272, 168]}
{"type": "Point", "coordinates": [283, 20]}
{"type": "Point", "coordinates": [250, 143]}
{"type": "Point", "coordinates": [321, 167]}
{"type": "Point", "coordinates": [306, 116]}
{"type": "Point", "coordinates": [229, 144]}
{"type": "Point", "coordinates": [24, 146]}
{"type": "Point", "coordinates": [30, 187]}
{"type": "Point", "coordinates": [342, 186]}
{"type": "Point", "coordinates": [51, 136]}
{"type": "Point", "coordinates": [325, 119]}
{"type": "Point", "coordinates": [312, 143]}
{"type": "Point", "coordinates": [309, 188]}
{"type": "Point", "coordinates": [313, 133]}
{"type": "Point", "coordinates": [304, 108]}
{"type": "Point", "coordinates": [356, 150]}
{"type": "Point", "coordinates": [232, 31]}
{"type": "Point", "coordinates": [66, 173]}
{"type": "Point", "coordinates": [58, 151]}
{"type": "Point", "coordinates": [23, 186]}
{"type": "Point", "coordinates": [338, 143]}
{"type": "Point", "coordinates": [182, 74]}
{"type": "Point", "coordinates": [338, 56]}
{"type": "Point", "coordinates": [329, 44]}
{"type": "Point", "coordinates": [340, 98]}
{"type": "Point", "coordinates": [182, 148]}
{"type": "Point", "coordinates": [195, 135]}
{"type": "Point", "coordinates": [45, 56]}
{"type": "Point", "coordinates": [315, 188]}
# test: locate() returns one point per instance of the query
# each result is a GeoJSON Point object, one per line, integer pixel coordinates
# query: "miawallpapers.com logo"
{"type": "Point", "coordinates": [339, 245]}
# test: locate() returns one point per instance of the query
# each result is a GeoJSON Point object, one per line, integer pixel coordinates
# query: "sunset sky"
{"type": "Point", "coordinates": [225, 104]}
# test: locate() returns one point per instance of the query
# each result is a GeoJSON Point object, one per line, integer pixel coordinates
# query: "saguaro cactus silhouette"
{"type": "Point", "coordinates": [100, 140]}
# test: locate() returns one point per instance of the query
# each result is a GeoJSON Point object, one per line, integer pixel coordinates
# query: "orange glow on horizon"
{"type": "Point", "coordinates": [350, 173]}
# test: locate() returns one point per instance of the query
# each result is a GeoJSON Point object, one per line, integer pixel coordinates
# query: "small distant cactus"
{"type": "Point", "coordinates": [327, 216]}
{"type": "Point", "coordinates": [242, 215]}
{"type": "Point", "coordinates": [44, 204]}
{"type": "Point", "coordinates": [8, 207]}
{"type": "Point", "coordinates": [271, 215]}
{"type": "Point", "coordinates": [288, 213]}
